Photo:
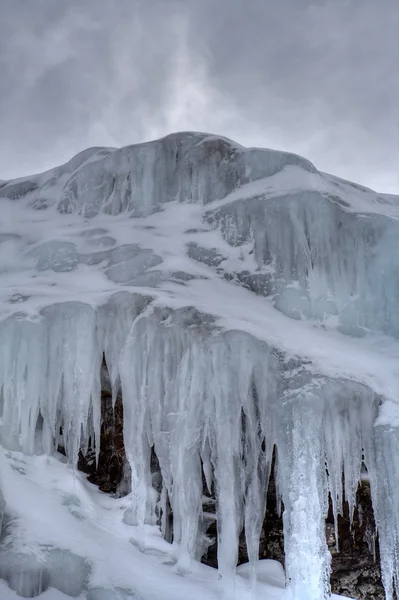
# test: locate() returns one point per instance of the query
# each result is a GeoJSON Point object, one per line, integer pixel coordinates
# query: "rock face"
{"type": "Point", "coordinates": [356, 565]}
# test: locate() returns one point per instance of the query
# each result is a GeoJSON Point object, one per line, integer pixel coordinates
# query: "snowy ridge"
{"type": "Point", "coordinates": [243, 301]}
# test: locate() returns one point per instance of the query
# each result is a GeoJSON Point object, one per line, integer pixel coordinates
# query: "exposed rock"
{"type": "Point", "coordinates": [112, 470]}
{"type": "Point", "coordinates": [356, 566]}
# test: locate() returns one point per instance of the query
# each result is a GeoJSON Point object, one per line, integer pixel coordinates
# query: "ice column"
{"type": "Point", "coordinates": [385, 488]}
{"type": "Point", "coordinates": [302, 481]}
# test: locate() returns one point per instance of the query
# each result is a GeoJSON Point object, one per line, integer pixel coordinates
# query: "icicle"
{"type": "Point", "coordinates": [233, 358]}
{"type": "Point", "coordinates": [22, 357]}
{"type": "Point", "coordinates": [205, 400]}
{"type": "Point", "coordinates": [163, 503]}
{"type": "Point", "coordinates": [258, 452]}
{"type": "Point", "coordinates": [49, 367]}
{"type": "Point", "coordinates": [185, 445]}
{"type": "Point", "coordinates": [384, 488]}
{"type": "Point", "coordinates": [114, 322]}
{"type": "Point", "coordinates": [206, 460]}
{"type": "Point", "coordinates": [72, 340]}
{"type": "Point", "coordinates": [349, 412]}
{"type": "Point", "coordinates": [304, 486]}
{"type": "Point", "coordinates": [134, 378]}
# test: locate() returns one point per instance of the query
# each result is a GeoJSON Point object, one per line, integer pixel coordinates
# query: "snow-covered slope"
{"type": "Point", "coordinates": [242, 300]}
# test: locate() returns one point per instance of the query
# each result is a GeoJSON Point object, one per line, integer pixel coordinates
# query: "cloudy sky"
{"type": "Point", "coordinates": [316, 77]}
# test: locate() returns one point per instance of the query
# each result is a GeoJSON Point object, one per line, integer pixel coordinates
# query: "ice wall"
{"type": "Point", "coordinates": [385, 500]}
{"type": "Point", "coordinates": [207, 401]}
{"type": "Point", "coordinates": [213, 400]}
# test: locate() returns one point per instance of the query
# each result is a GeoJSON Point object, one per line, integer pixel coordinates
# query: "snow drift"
{"type": "Point", "coordinates": [246, 305]}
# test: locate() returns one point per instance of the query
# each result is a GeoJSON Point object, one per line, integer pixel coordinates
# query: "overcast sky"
{"type": "Point", "coordinates": [316, 77]}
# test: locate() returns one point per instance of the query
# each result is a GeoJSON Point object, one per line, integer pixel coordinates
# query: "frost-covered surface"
{"type": "Point", "coordinates": [83, 529]}
{"type": "Point", "coordinates": [242, 300]}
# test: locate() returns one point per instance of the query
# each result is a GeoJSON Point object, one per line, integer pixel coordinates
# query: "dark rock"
{"type": "Point", "coordinates": [112, 469]}
{"type": "Point", "coordinates": [356, 566]}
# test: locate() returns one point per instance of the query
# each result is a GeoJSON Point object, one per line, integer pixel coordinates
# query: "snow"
{"type": "Point", "coordinates": [68, 514]}
{"type": "Point", "coordinates": [267, 571]}
{"type": "Point", "coordinates": [223, 285]}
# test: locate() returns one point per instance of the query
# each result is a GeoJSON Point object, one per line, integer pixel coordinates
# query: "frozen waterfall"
{"type": "Point", "coordinates": [247, 309]}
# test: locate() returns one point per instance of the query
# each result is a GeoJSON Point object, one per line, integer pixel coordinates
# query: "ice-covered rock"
{"type": "Point", "coordinates": [25, 575]}
{"type": "Point", "coordinates": [315, 257]}
{"type": "Point", "coordinates": [30, 573]}
{"type": "Point", "coordinates": [322, 248]}
{"type": "Point", "coordinates": [217, 282]}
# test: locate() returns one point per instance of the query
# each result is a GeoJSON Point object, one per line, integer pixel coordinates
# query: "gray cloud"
{"type": "Point", "coordinates": [315, 77]}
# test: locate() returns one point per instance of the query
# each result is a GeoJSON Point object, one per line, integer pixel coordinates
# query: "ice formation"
{"type": "Point", "coordinates": [245, 304]}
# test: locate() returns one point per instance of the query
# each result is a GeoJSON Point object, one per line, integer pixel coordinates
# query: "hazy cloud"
{"type": "Point", "coordinates": [315, 77]}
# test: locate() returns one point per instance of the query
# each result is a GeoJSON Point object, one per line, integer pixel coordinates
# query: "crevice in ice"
{"type": "Point", "coordinates": [108, 471]}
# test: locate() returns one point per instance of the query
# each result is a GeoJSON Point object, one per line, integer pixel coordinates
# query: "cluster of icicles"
{"type": "Point", "coordinates": [207, 401]}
